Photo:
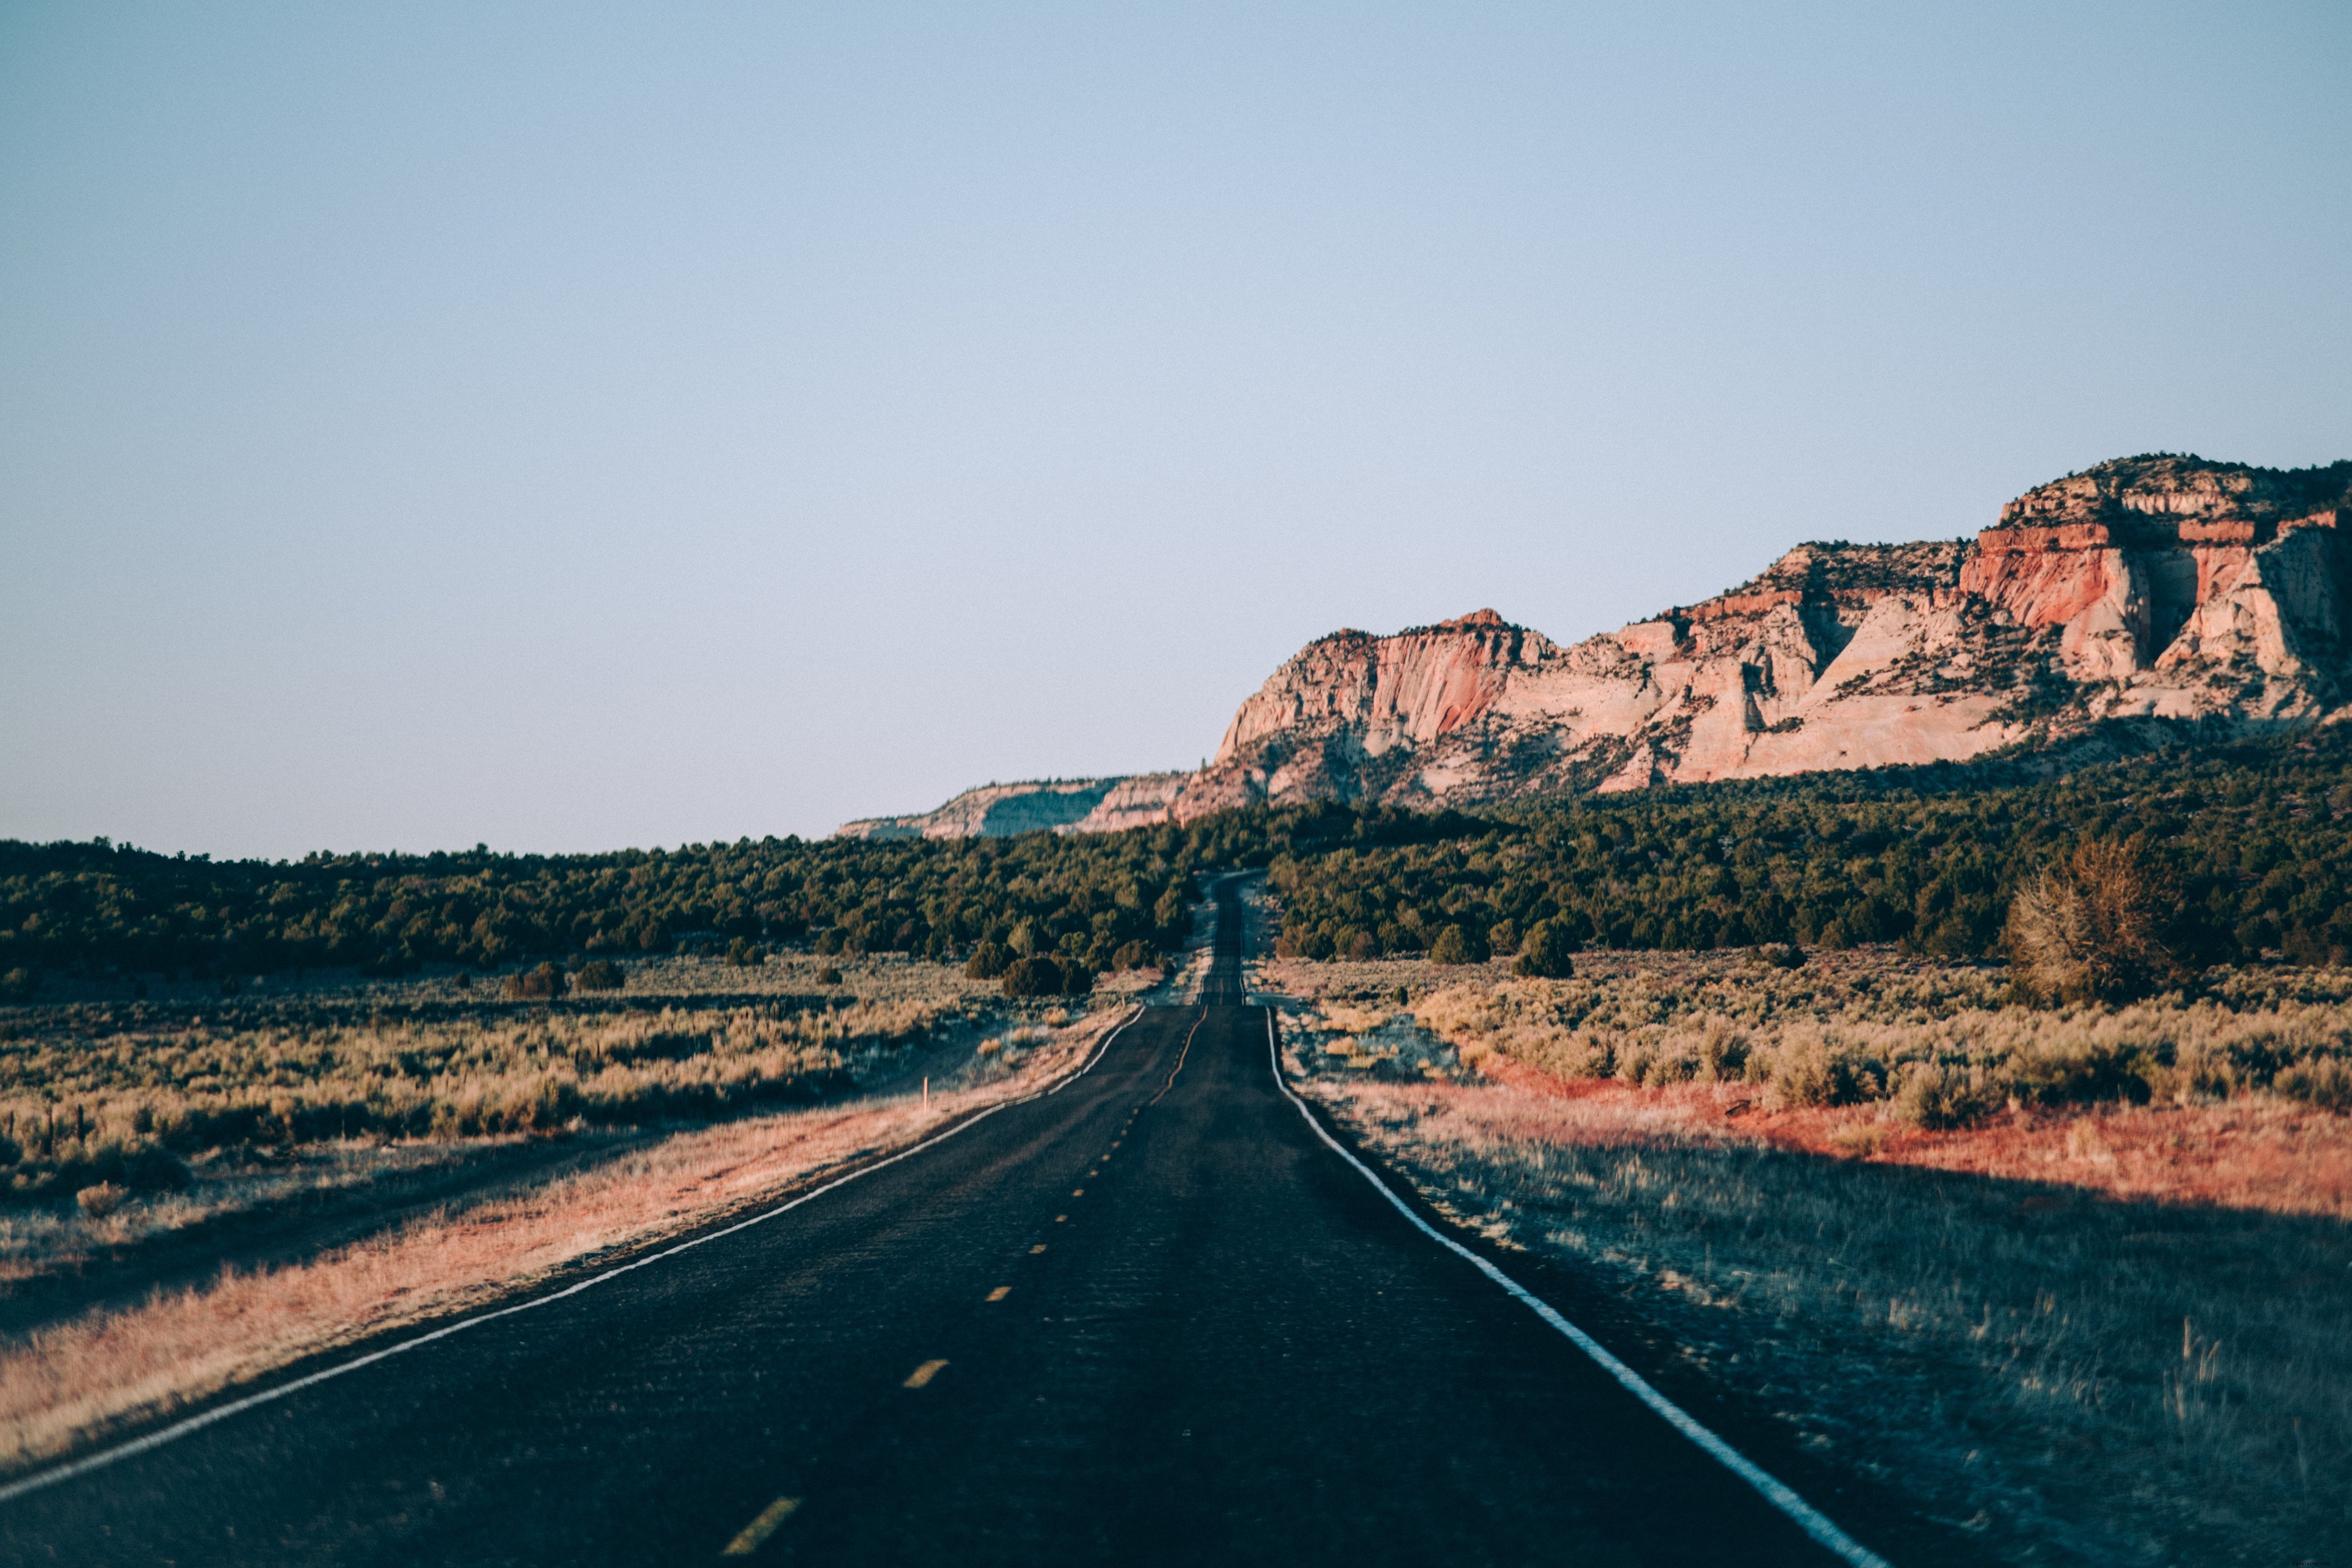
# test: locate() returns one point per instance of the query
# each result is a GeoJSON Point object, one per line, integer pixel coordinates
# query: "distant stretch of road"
{"type": "Point", "coordinates": [1152, 1317]}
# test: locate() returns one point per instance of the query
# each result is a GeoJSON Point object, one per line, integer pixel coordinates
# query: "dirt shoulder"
{"type": "Point", "coordinates": [72, 1382]}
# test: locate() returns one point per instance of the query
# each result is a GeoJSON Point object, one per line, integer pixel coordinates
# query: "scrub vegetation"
{"type": "Point", "coordinates": [2092, 1326]}
{"type": "Point", "coordinates": [2239, 850]}
{"type": "Point", "coordinates": [137, 1097]}
{"type": "Point", "coordinates": [2247, 847]}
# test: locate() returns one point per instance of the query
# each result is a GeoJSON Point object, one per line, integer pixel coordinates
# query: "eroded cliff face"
{"type": "Point", "coordinates": [2165, 587]}
{"type": "Point", "coordinates": [2155, 587]}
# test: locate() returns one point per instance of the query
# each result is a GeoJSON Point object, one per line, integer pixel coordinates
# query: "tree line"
{"type": "Point", "coordinates": [2250, 841]}
{"type": "Point", "coordinates": [1089, 902]}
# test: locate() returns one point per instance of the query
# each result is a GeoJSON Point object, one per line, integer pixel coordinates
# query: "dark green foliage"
{"type": "Point", "coordinates": [85, 907]}
{"type": "Point", "coordinates": [2255, 838]}
{"type": "Point", "coordinates": [828, 975]}
{"type": "Point", "coordinates": [1454, 945]}
{"type": "Point", "coordinates": [1048, 976]}
{"type": "Point", "coordinates": [1548, 952]}
{"type": "Point", "coordinates": [543, 983]}
{"type": "Point", "coordinates": [988, 961]}
{"type": "Point", "coordinates": [598, 974]}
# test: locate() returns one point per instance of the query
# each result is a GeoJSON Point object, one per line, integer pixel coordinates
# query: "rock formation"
{"type": "Point", "coordinates": [2148, 588]}
{"type": "Point", "coordinates": [1064, 805]}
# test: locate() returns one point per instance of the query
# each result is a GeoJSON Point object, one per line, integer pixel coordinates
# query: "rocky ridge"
{"type": "Point", "coordinates": [1062, 806]}
{"type": "Point", "coordinates": [2151, 588]}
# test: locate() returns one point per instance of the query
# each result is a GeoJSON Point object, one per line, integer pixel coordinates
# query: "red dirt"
{"type": "Point", "coordinates": [2253, 1153]}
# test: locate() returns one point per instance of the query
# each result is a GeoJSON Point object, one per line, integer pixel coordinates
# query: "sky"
{"type": "Point", "coordinates": [571, 427]}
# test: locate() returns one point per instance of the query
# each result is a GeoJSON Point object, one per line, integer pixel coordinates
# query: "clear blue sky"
{"type": "Point", "coordinates": [577, 426]}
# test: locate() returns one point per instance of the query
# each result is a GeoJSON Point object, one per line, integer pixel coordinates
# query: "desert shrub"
{"type": "Point", "coordinates": [2092, 927]}
{"type": "Point", "coordinates": [1134, 955]}
{"type": "Point", "coordinates": [1456, 945]}
{"type": "Point", "coordinates": [543, 983]}
{"type": "Point", "coordinates": [746, 954]}
{"type": "Point", "coordinates": [600, 975]}
{"type": "Point", "coordinates": [1806, 1072]}
{"type": "Point", "coordinates": [1936, 1095]}
{"type": "Point", "coordinates": [100, 1200]}
{"type": "Point", "coordinates": [2324, 1081]}
{"type": "Point", "coordinates": [152, 1168]}
{"type": "Point", "coordinates": [1546, 954]}
{"type": "Point", "coordinates": [1038, 976]}
{"type": "Point", "coordinates": [988, 961]}
{"type": "Point", "coordinates": [828, 975]}
{"type": "Point", "coordinates": [1722, 1053]}
{"type": "Point", "coordinates": [1048, 977]}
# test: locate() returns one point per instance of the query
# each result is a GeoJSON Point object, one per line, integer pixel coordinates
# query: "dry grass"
{"type": "Point", "coordinates": [127, 1092]}
{"type": "Point", "coordinates": [2087, 1331]}
{"type": "Point", "coordinates": [1935, 1045]}
{"type": "Point", "coordinates": [61, 1385]}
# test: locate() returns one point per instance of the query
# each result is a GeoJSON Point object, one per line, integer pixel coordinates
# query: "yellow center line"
{"type": "Point", "coordinates": [923, 1374]}
{"type": "Point", "coordinates": [1077, 1192]}
{"type": "Point", "coordinates": [1036, 1249]}
{"type": "Point", "coordinates": [760, 1529]}
{"type": "Point", "coordinates": [1180, 1057]}
{"type": "Point", "coordinates": [1060, 1217]}
{"type": "Point", "coordinates": [1001, 1292]}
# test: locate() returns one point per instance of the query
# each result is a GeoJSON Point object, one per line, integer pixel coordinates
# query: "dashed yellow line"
{"type": "Point", "coordinates": [760, 1529]}
{"type": "Point", "coordinates": [1077, 1192]}
{"type": "Point", "coordinates": [1001, 1292]}
{"type": "Point", "coordinates": [1036, 1249]}
{"type": "Point", "coordinates": [1060, 1217]}
{"type": "Point", "coordinates": [923, 1374]}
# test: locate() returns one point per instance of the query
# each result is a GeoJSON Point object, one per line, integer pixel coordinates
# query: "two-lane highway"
{"type": "Point", "coordinates": [1151, 1317]}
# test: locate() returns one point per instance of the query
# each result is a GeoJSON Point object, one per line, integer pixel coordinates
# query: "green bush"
{"type": "Point", "coordinates": [1549, 951]}
{"type": "Point", "coordinates": [1047, 976]}
{"type": "Point", "coordinates": [599, 974]}
{"type": "Point", "coordinates": [1456, 944]}
{"type": "Point", "coordinates": [544, 984]}
{"type": "Point", "coordinates": [988, 961]}
{"type": "Point", "coordinates": [1934, 1095]}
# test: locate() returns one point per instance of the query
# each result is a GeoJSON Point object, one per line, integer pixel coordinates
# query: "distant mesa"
{"type": "Point", "coordinates": [2151, 588]}
{"type": "Point", "coordinates": [1061, 805]}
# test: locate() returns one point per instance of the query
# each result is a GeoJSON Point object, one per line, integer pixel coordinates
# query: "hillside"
{"type": "Point", "coordinates": [2145, 592]}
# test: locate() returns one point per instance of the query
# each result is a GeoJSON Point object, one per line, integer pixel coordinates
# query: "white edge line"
{"type": "Point", "coordinates": [1808, 1518]}
{"type": "Point", "coordinates": [179, 1429]}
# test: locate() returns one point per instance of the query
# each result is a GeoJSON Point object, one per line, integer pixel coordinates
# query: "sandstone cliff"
{"type": "Point", "coordinates": [2148, 588]}
{"type": "Point", "coordinates": [2155, 587]}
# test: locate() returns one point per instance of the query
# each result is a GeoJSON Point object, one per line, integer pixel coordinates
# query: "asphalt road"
{"type": "Point", "coordinates": [1152, 1317]}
